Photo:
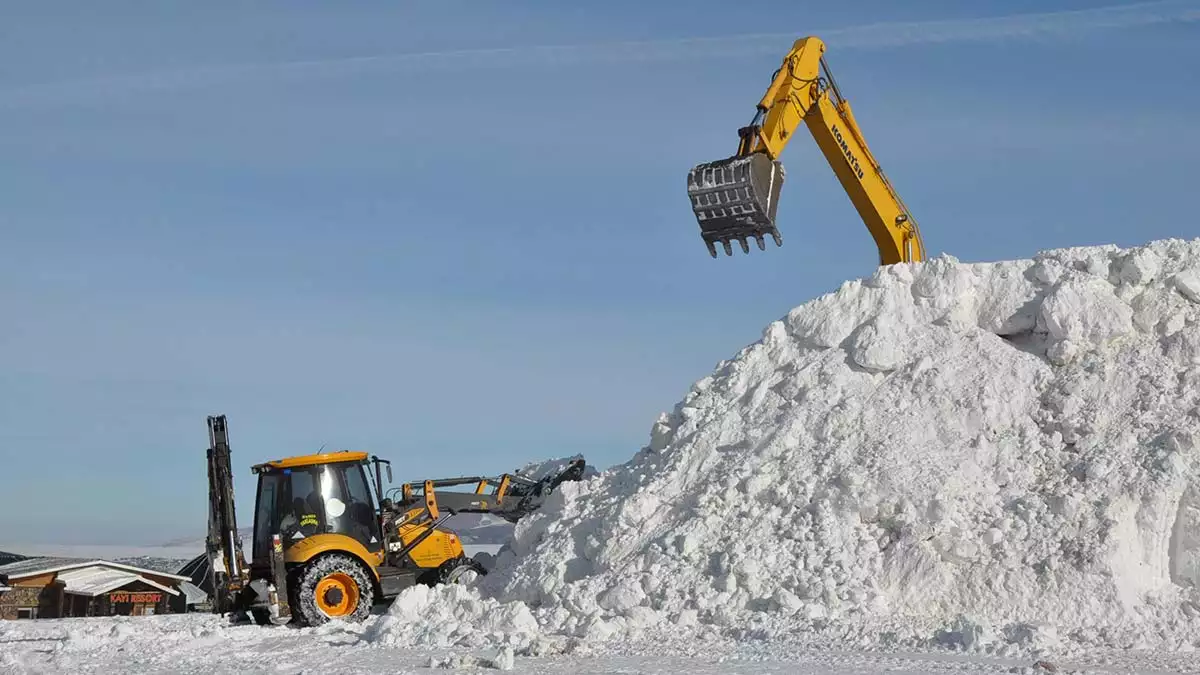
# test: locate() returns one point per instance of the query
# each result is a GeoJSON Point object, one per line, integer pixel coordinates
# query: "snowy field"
{"type": "Point", "coordinates": [943, 467]}
{"type": "Point", "coordinates": [202, 643]}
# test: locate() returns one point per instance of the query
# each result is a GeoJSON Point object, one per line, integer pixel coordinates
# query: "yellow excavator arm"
{"type": "Point", "coordinates": [736, 199]}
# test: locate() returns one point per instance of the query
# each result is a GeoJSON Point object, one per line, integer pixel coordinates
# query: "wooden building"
{"type": "Point", "coordinates": [62, 587]}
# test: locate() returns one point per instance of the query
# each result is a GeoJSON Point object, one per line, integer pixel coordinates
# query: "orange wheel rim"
{"type": "Point", "coordinates": [337, 594]}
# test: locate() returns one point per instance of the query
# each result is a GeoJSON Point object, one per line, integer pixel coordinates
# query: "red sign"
{"type": "Point", "coordinates": [136, 598]}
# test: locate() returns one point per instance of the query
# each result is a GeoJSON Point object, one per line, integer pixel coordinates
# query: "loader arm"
{"type": "Point", "coordinates": [509, 496]}
{"type": "Point", "coordinates": [736, 198]}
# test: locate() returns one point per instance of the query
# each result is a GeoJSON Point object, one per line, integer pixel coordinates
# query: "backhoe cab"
{"type": "Point", "coordinates": [325, 546]}
{"type": "Point", "coordinates": [317, 543]}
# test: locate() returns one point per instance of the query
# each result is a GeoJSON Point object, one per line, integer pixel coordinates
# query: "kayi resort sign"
{"type": "Point", "coordinates": [135, 598]}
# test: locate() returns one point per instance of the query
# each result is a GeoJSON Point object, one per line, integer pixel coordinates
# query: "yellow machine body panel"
{"type": "Point", "coordinates": [310, 460]}
{"type": "Point", "coordinates": [837, 136]}
{"type": "Point", "coordinates": [437, 547]}
{"type": "Point", "coordinates": [308, 548]}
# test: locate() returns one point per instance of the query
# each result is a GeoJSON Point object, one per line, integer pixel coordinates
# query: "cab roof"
{"type": "Point", "coordinates": [310, 460]}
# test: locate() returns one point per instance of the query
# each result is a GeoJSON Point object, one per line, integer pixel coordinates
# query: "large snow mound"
{"type": "Point", "coordinates": [993, 452]}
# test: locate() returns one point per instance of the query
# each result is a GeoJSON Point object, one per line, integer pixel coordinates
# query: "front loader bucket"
{"type": "Point", "coordinates": [736, 199]}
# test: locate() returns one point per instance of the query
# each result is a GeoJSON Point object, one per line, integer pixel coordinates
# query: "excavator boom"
{"type": "Point", "coordinates": [736, 199]}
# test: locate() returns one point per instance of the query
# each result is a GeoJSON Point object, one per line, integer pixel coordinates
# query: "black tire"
{"type": "Point", "coordinates": [454, 570]}
{"type": "Point", "coordinates": [304, 601]}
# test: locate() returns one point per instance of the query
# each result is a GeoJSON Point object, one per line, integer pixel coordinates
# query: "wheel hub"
{"type": "Point", "coordinates": [337, 594]}
{"type": "Point", "coordinates": [334, 597]}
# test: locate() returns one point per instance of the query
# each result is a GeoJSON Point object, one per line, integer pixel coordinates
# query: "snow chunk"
{"type": "Point", "coordinates": [1086, 310]}
{"type": "Point", "coordinates": [504, 660]}
{"type": "Point", "coordinates": [1188, 283]}
{"type": "Point", "coordinates": [829, 320]}
{"type": "Point", "coordinates": [878, 345]}
{"type": "Point", "coordinates": [1139, 267]}
{"type": "Point", "coordinates": [451, 616]}
{"type": "Point", "coordinates": [1004, 299]}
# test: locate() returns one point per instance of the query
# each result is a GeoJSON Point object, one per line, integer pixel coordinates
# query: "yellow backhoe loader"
{"type": "Point", "coordinates": [321, 547]}
{"type": "Point", "coordinates": [736, 199]}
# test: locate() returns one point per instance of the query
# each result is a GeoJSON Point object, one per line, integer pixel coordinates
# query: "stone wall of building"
{"type": "Point", "coordinates": [16, 598]}
{"type": "Point", "coordinates": [47, 600]}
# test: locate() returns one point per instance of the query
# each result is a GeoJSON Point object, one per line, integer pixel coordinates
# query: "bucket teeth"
{"type": "Point", "coordinates": [744, 242]}
{"type": "Point", "coordinates": [736, 199]}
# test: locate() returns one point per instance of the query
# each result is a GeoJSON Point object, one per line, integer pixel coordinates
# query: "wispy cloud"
{"type": "Point", "coordinates": [1018, 26]}
{"type": "Point", "coordinates": [870, 36]}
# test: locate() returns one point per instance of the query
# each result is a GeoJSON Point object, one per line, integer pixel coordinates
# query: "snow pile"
{"type": "Point", "coordinates": [452, 616]}
{"type": "Point", "coordinates": [552, 467]}
{"type": "Point", "coordinates": [504, 659]}
{"type": "Point", "coordinates": [977, 454]}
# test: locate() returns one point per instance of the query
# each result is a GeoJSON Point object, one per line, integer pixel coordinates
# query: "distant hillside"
{"type": "Point", "coordinates": [472, 528]}
{"type": "Point", "coordinates": [150, 562]}
{"type": "Point", "coordinates": [197, 543]}
{"type": "Point", "coordinates": [147, 562]}
{"type": "Point", "coordinates": [6, 557]}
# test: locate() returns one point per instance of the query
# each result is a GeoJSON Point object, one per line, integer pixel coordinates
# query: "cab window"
{"type": "Point", "coordinates": [302, 501]}
{"type": "Point", "coordinates": [357, 517]}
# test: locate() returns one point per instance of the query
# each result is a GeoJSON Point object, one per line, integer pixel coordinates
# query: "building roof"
{"type": "Point", "coordinates": [94, 580]}
{"type": "Point", "coordinates": [32, 566]}
{"type": "Point", "coordinates": [198, 570]}
{"type": "Point", "coordinates": [35, 566]}
{"type": "Point", "coordinates": [193, 594]}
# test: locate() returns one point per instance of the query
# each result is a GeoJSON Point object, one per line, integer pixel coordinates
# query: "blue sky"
{"type": "Point", "coordinates": [455, 233]}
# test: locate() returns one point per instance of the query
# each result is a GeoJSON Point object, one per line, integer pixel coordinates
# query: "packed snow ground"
{"type": "Point", "coordinates": [202, 643]}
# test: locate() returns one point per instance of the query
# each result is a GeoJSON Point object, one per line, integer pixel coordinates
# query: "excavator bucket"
{"type": "Point", "coordinates": [735, 199]}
